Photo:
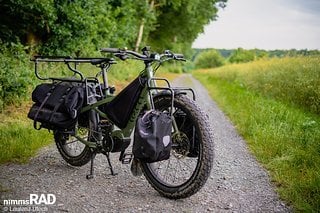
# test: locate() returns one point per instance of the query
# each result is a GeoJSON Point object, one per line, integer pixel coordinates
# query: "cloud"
{"type": "Point", "coordinates": [308, 6]}
{"type": "Point", "coordinates": [273, 24]}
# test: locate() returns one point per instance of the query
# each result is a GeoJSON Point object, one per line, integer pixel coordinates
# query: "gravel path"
{"type": "Point", "coordinates": [237, 182]}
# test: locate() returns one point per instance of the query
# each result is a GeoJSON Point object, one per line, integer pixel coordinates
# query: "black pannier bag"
{"type": "Point", "coordinates": [152, 137]}
{"type": "Point", "coordinates": [56, 105]}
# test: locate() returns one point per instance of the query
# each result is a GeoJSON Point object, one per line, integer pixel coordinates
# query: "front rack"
{"type": "Point", "coordinates": [172, 91]}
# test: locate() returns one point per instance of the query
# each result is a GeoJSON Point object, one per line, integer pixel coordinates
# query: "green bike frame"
{"type": "Point", "coordinates": [145, 100]}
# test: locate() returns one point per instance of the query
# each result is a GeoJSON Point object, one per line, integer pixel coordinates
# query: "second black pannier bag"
{"type": "Point", "coordinates": [56, 105]}
{"type": "Point", "coordinates": [152, 137]}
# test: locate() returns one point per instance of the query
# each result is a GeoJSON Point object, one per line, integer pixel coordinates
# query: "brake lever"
{"type": "Point", "coordinates": [179, 57]}
{"type": "Point", "coordinates": [122, 56]}
{"type": "Point", "coordinates": [168, 53]}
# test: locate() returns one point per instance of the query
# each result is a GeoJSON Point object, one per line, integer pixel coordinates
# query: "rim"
{"type": "Point", "coordinates": [179, 168]}
{"type": "Point", "coordinates": [72, 146]}
{"type": "Point", "coordinates": [174, 171]}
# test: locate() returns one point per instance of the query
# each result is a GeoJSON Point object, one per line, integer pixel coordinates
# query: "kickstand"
{"type": "Point", "coordinates": [90, 176]}
{"type": "Point", "coordinates": [110, 166]}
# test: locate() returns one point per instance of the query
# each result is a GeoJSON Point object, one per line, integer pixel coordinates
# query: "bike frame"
{"type": "Point", "coordinates": [149, 91]}
{"type": "Point", "coordinates": [145, 99]}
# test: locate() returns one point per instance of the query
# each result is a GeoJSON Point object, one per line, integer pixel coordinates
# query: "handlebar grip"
{"type": "Point", "coordinates": [179, 57]}
{"type": "Point", "coordinates": [110, 50]}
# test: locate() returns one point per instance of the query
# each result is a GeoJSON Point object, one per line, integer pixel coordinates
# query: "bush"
{"type": "Point", "coordinates": [15, 74]}
{"type": "Point", "coordinates": [209, 59]}
{"type": "Point", "coordinates": [188, 66]}
{"type": "Point", "coordinates": [241, 56]}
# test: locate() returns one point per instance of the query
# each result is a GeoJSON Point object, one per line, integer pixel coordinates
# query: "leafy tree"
{"type": "Point", "coordinates": [209, 59]}
{"type": "Point", "coordinates": [225, 52]}
{"type": "Point", "coordinates": [180, 21]}
{"type": "Point", "coordinates": [241, 55]}
{"type": "Point", "coordinates": [261, 53]}
{"type": "Point", "coordinates": [70, 27]}
{"type": "Point", "coordinates": [26, 21]}
{"type": "Point", "coordinates": [83, 26]}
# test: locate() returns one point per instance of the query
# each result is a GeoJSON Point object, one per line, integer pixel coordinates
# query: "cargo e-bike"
{"type": "Point", "coordinates": [105, 122]}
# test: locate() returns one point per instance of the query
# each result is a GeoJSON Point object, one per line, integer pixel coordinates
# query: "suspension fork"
{"type": "Point", "coordinates": [152, 84]}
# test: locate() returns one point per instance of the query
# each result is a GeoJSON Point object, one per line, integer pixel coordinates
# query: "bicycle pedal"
{"type": "Point", "coordinates": [127, 158]}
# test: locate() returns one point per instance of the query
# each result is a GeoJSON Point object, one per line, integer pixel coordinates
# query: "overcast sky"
{"type": "Point", "coordinates": [264, 24]}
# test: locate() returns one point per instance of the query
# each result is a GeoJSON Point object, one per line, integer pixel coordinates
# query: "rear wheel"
{"type": "Point", "coordinates": [190, 162]}
{"type": "Point", "coordinates": [71, 149]}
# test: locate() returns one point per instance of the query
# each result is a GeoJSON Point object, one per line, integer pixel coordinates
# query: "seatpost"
{"type": "Point", "coordinates": [104, 68]}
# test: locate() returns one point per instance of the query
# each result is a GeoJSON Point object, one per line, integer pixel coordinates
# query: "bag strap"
{"type": "Point", "coordinates": [41, 106]}
{"type": "Point", "coordinates": [56, 107]}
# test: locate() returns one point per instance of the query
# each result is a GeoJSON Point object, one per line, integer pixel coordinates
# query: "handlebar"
{"type": "Point", "coordinates": [120, 52]}
{"type": "Point", "coordinates": [123, 54]}
{"type": "Point", "coordinates": [110, 50]}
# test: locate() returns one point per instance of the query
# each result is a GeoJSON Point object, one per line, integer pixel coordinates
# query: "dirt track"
{"type": "Point", "coordinates": [237, 183]}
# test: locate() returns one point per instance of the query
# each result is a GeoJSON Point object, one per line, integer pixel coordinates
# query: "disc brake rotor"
{"type": "Point", "coordinates": [180, 145]}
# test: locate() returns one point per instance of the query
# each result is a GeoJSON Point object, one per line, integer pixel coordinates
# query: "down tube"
{"type": "Point", "coordinates": [144, 100]}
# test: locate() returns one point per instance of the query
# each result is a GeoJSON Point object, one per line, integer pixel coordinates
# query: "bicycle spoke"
{"type": "Point", "coordinates": [76, 140]}
{"type": "Point", "coordinates": [186, 164]}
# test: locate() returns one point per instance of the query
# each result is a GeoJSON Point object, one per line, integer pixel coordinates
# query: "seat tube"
{"type": "Point", "coordinates": [149, 72]}
{"type": "Point", "coordinates": [105, 81]}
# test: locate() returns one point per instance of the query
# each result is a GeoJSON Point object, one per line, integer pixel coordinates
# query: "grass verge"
{"type": "Point", "coordinates": [19, 140]}
{"type": "Point", "coordinates": [285, 139]}
{"type": "Point", "coordinates": [295, 81]}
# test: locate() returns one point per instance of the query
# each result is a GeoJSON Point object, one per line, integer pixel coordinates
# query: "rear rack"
{"type": "Point", "coordinates": [68, 60]}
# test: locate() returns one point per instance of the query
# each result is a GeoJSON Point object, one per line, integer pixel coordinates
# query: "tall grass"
{"type": "Point", "coordinates": [282, 132]}
{"type": "Point", "coordinates": [293, 80]}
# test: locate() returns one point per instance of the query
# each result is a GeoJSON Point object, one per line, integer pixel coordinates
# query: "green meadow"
{"type": "Point", "coordinates": [275, 105]}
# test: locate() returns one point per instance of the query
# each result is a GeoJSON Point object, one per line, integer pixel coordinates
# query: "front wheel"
{"type": "Point", "coordinates": [190, 162]}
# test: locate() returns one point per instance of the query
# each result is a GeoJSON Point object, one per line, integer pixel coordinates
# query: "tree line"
{"type": "Point", "coordinates": [80, 27]}
{"type": "Point", "coordinates": [210, 58]}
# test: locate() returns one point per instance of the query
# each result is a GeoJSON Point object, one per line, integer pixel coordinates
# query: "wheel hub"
{"type": "Point", "coordinates": [180, 145]}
